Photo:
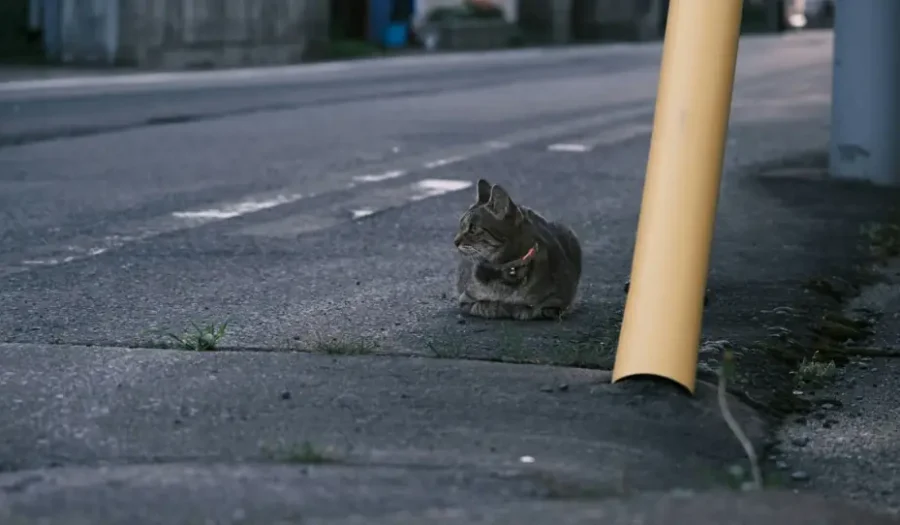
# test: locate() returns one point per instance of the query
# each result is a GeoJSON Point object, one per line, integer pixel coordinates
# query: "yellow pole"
{"type": "Point", "coordinates": [660, 331]}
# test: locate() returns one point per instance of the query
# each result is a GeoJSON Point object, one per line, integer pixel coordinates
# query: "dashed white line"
{"type": "Point", "coordinates": [47, 262]}
{"type": "Point", "coordinates": [357, 208]}
{"type": "Point", "coordinates": [606, 138]}
{"type": "Point", "coordinates": [177, 221]}
{"type": "Point", "coordinates": [443, 162]}
{"type": "Point", "coordinates": [570, 148]}
{"type": "Point", "coordinates": [359, 214]}
{"type": "Point", "coordinates": [142, 230]}
{"type": "Point", "coordinates": [236, 210]}
{"type": "Point", "coordinates": [621, 134]}
{"type": "Point", "coordinates": [79, 254]}
{"type": "Point", "coordinates": [433, 187]}
{"type": "Point", "coordinates": [380, 176]}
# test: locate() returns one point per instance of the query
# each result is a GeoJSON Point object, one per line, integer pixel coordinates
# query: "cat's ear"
{"type": "Point", "coordinates": [499, 202]}
{"type": "Point", "coordinates": [483, 192]}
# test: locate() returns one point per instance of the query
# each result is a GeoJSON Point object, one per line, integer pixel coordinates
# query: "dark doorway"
{"type": "Point", "coordinates": [349, 19]}
{"type": "Point", "coordinates": [582, 24]}
{"type": "Point", "coordinates": [19, 41]}
{"type": "Point", "coordinates": [402, 10]}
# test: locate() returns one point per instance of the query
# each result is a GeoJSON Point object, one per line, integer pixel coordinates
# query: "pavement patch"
{"type": "Point", "coordinates": [106, 406]}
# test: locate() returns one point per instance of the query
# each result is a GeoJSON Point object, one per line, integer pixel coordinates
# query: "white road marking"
{"type": "Point", "coordinates": [621, 134]}
{"type": "Point", "coordinates": [359, 214]}
{"type": "Point", "coordinates": [47, 262]}
{"type": "Point", "coordinates": [571, 148]}
{"type": "Point", "coordinates": [444, 162]}
{"type": "Point", "coordinates": [236, 210]}
{"type": "Point", "coordinates": [177, 221]}
{"type": "Point", "coordinates": [360, 206]}
{"type": "Point", "coordinates": [393, 174]}
{"type": "Point", "coordinates": [136, 231]}
{"type": "Point", "coordinates": [433, 187]}
{"type": "Point", "coordinates": [606, 138]}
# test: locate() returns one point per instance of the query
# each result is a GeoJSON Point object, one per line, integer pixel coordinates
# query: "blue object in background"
{"type": "Point", "coordinates": [395, 35]}
{"type": "Point", "coordinates": [385, 31]}
{"type": "Point", "coordinates": [379, 19]}
{"type": "Point", "coordinates": [51, 22]}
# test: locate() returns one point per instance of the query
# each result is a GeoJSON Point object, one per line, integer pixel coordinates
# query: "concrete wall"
{"type": "Point", "coordinates": [562, 21]}
{"type": "Point", "coordinates": [510, 8]}
{"type": "Point", "coordinates": [540, 21]}
{"type": "Point", "coordinates": [89, 31]}
{"type": "Point", "coordinates": [620, 20]}
{"type": "Point", "coordinates": [180, 34]}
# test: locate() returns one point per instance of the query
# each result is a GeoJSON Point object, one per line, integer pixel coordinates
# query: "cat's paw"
{"type": "Point", "coordinates": [552, 312]}
{"type": "Point", "coordinates": [465, 304]}
{"type": "Point", "coordinates": [486, 310]}
{"type": "Point", "coordinates": [524, 313]}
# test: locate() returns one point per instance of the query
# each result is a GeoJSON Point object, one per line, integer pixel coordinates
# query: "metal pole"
{"type": "Point", "coordinates": [865, 105]}
{"type": "Point", "coordinates": [661, 328]}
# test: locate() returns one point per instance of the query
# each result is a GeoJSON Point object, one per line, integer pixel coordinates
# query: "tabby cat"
{"type": "Point", "coordinates": [515, 263]}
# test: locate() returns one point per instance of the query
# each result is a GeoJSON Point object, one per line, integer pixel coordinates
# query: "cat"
{"type": "Point", "coordinates": [515, 263]}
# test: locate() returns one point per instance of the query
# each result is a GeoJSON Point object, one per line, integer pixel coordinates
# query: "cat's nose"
{"type": "Point", "coordinates": [457, 240]}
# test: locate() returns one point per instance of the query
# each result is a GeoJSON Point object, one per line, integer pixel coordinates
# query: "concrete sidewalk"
{"type": "Point", "coordinates": [363, 440]}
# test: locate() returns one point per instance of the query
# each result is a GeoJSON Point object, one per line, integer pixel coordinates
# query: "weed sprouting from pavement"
{"type": "Point", "coordinates": [308, 454]}
{"type": "Point", "coordinates": [201, 338]}
{"type": "Point", "coordinates": [509, 343]}
{"type": "Point", "coordinates": [304, 453]}
{"type": "Point", "coordinates": [884, 239]}
{"type": "Point", "coordinates": [446, 350]}
{"type": "Point", "coordinates": [725, 372]}
{"type": "Point", "coordinates": [814, 373]}
{"type": "Point", "coordinates": [340, 345]}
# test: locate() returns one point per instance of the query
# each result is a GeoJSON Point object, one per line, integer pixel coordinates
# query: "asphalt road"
{"type": "Point", "coordinates": [329, 216]}
{"type": "Point", "coordinates": [313, 208]}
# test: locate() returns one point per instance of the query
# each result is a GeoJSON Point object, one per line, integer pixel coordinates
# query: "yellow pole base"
{"type": "Point", "coordinates": [660, 331]}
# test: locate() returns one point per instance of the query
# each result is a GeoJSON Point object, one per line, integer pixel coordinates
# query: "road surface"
{"type": "Point", "coordinates": [305, 205]}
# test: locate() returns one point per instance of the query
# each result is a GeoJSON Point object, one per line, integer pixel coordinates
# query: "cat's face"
{"type": "Point", "coordinates": [488, 225]}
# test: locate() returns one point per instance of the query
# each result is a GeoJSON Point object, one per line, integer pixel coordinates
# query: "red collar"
{"type": "Point", "coordinates": [530, 254]}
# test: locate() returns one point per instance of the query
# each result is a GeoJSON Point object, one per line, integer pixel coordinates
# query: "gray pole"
{"type": "Point", "coordinates": [865, 107]}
